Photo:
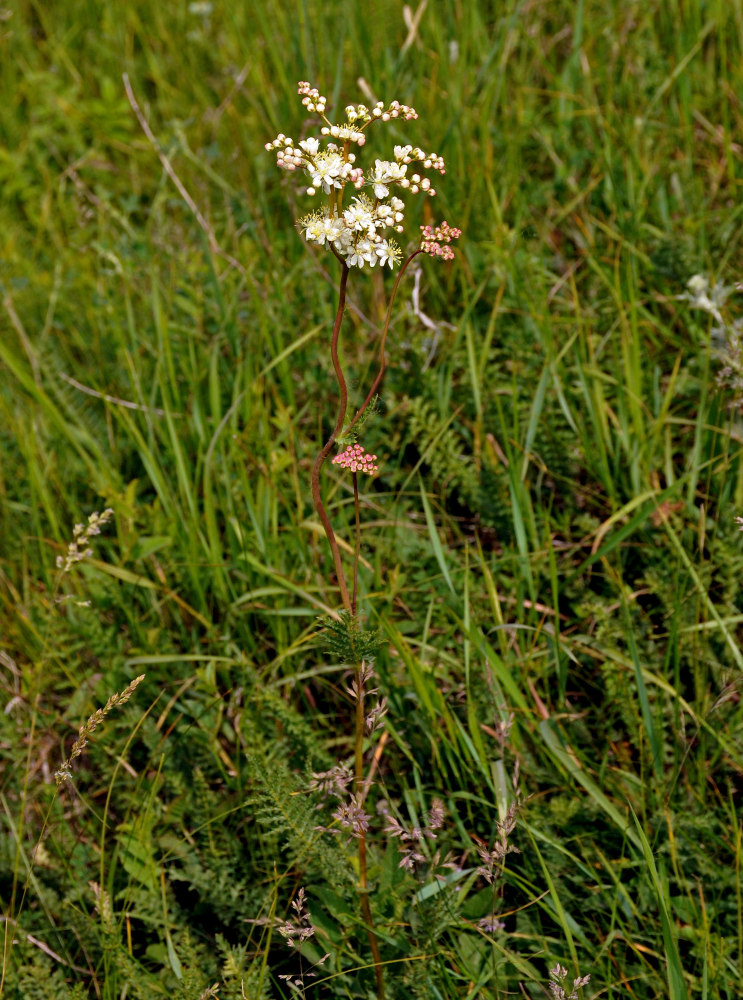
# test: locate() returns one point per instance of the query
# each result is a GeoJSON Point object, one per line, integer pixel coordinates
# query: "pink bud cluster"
{"type": "Point", "coordinates": [435, 242]}
{"type": "Point", "coordinates": [287, 155]}
{"type": "Point", "coordinates": [357, 460]}
{"type": "Point", "coordinates": [313, 99]}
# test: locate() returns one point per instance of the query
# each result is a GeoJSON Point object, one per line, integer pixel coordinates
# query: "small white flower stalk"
{"type": "Point", "coordinates": [79, 548]}
{"type": "Point", "coordinates": [295, 931]}
{"type": "Point", "coordinates": [360, 232]}
{"type": "Point", "coordinates": [89, 727]}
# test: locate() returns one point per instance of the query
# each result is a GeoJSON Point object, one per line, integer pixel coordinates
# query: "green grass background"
{"type": "Point", "coordinates": [551, 533]}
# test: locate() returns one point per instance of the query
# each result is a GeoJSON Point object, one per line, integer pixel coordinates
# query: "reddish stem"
{"type": "Point", "coordinates": [320, 460]}
{"type": "Point", "coordinates": [357, 545]}
{"type": "Point", "coordinates": [385, 330]}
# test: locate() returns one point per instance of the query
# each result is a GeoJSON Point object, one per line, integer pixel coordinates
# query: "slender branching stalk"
{"type": "Point", "coordinates": [320, 460]}
{"type": "Point", "coordinates": [354, 236]}
{"type": "Point", "coordinates": [360, 791]}
{"type": "Point", "coordinates": [383, 340]}
{"type": "Point", "coordinates": [349, 603]}
{"type": "Point", "coordinates": [357, 544]}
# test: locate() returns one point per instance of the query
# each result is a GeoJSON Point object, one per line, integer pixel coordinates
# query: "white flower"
{"type": "Point", "coordinates": [358, 217]}
{"type": "Point", "coordinates": [326, 230]}
{"type": "Point", "coordinates": [388, 253]}
{"type": "Point", "coordinates": [385, 172]}
{"type": "Point", "coordinates": [327, 170]}
{"type": "Point", "coordinates": [344, 238]}
{"type": "Point", "coordinates": [362, 253]}
{"type": "Point", "coordinates": [313, 229]}
{"type": "Point", "coordinates": [332, 231]}
{"type": "Point", "coordinates": [310, 146]}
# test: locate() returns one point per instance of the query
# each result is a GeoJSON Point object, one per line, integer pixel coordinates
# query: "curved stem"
{"type": "Point", "coordinates": [367, 915]}
{"type": "Point", "coordinates": [357, 543]}
{"type": "Point", "coordinates": [320, 460]}
{"type": "Point", "coordinates": [347, 602]}
{"type": "Point", "coordinates": [385, 330]}
{"type": "Point", "coordinates": [359, 748]}
{"type": "Point", "coordinates": [360, 793]}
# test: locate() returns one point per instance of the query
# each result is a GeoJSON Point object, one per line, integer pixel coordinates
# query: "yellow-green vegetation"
{"type": "Point", "coordinates": [551, 563]}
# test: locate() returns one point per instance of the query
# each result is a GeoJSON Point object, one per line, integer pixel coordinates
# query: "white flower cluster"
{"type": "Point", "coordinates": [356, 232]}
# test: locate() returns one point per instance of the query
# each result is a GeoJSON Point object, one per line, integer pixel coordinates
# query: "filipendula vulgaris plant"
{"type": "Point", "coordinates": [360, 211]}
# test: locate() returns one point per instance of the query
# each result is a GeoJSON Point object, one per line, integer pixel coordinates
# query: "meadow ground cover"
{"type": "Point", "coordinates": [548, 576]}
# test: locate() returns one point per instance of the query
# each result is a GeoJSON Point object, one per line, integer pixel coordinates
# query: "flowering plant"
{"type": "Point", "coordinates": [359, 233]}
